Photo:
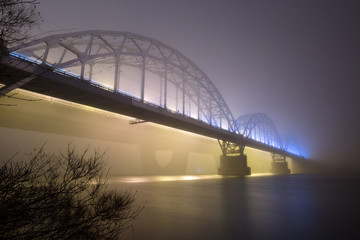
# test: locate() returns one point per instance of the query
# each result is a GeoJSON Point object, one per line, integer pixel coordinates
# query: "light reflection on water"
{"type": "Point", "coordinates": [145, 179]}
{"type": "Point", "coordinates": [257, 207]}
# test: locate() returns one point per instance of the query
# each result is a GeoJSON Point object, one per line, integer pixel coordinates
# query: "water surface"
{"type": "Point", "coordinates": [256, 207]}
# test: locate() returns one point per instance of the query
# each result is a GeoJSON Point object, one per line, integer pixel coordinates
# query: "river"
{"type": "Point", "coordinates": [254, 207]}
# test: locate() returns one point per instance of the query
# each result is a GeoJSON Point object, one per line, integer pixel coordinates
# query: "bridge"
{"type": "Point", "coordinates": [143, 78]}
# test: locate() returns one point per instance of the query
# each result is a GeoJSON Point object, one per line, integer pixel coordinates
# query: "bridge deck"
{"type": "Point", "coordinates": [80, 91]}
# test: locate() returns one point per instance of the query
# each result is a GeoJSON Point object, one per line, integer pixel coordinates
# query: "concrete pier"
{"type": "Point", "coordinates": [280, 168]}
{"type": "Point", "coordinates": [234, 166]}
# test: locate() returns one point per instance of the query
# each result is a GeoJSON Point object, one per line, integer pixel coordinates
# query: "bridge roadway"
{"type": "Point", "coordinates": [42, 79]}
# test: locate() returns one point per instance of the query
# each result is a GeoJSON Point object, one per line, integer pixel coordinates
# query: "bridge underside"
{"type": "Point", "coordinates": [72, 89]}
{"type": "Point", "coordinates": [132, 149]}
{"type": "Point", "coordinates": [75, 90]}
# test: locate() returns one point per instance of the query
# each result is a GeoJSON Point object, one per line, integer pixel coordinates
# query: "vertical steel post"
{"type": "Point", "coordinates": [198, 100]}
{"type": "Point", "coordinates": [165, 87]}
{"type": "Point", "coordinates": [142, 94]}
{"type": "Point", "coordinates": [117, 74]}
{"type": "Point", "coordinates": [210, 111]}
{"type": "Point", "coordinates": [177, 98]}
{"type": "Point", "coordinates": [82, 69]}
{"type": "Point", "coordinates": [183, 95]}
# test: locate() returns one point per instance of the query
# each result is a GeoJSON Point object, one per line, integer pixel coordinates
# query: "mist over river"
{"type": "Point", "coordinates": [254, 207]}
{"type": "Point", "coordinates": [188, 205]}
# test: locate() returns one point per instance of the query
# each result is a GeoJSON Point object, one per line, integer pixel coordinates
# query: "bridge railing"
{"type": "Point", "coordinates": [148, 56]}
{"type": "Point", "coordinates": [67, 73]}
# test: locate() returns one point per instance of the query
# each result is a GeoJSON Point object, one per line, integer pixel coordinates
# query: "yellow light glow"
{"type": "Point", "coordinates": [189, 178]}
{"type": "Point", "coordinates": [139, 179]}
{"type": "Point", "coordinates": [97, 110]}
{"type": "Point", "coordinates": [185, 132]}
{"type": "Point", "coordinates": [256, 150]}
{"type": "Point", "coordinates": [260, 174]}
{"type": "Point", "coordinates": [68, 103]}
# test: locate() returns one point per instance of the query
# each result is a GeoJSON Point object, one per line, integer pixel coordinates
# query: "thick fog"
{"type": "Point", "coordinates": [139, 149]}
{"type": "Point", "coordinates": [295, 61]}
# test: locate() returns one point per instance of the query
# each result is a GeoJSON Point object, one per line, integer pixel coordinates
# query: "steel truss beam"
{"type": "Point", "coordinates": [261, 128]}
{"type": "Point", "coordinates": [107, 58]}
{"type": "Point", "coordinates": [229, 148]}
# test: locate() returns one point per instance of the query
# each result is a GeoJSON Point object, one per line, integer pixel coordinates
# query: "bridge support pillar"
{"type": "Point", "coordinates": [280, 168]}
{"type": "Point", "coordinates": [234, 166]}
{"type": "Point", "coordinates": [279, 165]}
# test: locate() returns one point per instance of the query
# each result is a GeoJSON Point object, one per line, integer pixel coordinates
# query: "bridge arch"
{"type": "Point", "coordinates": [130, 64]}
{"type": "Point", "coordinates": [261, 128]}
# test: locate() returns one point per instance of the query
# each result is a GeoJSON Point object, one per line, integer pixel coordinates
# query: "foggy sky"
{"type": "Point", "coordinates": [297, 61]}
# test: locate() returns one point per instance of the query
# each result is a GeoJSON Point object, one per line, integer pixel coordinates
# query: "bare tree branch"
{"type": "Point", "coordinates": [17, 17]}
{"type": "Point", "coordinates": [62, 196]}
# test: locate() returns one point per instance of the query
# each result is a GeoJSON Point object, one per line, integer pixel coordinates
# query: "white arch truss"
{"type": "Point", "coordinates": [134, 65]}
{"type": "Point", "coordinates": [261, 128]}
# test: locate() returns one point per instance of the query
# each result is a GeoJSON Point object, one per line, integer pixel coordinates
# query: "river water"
{"type": "Point", "coordinates": [255, 207]}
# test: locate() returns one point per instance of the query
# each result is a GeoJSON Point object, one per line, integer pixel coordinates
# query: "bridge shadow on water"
{"type": "Point", "coordinates": [260, 207]}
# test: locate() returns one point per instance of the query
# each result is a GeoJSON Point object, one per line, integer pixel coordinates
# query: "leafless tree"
{"type": "Point", "coordinates": [62, 196]}
{"type": "Point", "coordinates": [17, 17]}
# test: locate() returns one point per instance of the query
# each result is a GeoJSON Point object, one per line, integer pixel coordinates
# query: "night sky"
{"type": "Point", "coordinates": [296, 61]}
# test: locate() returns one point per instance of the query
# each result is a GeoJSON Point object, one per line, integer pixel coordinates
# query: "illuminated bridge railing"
{"type": "Point", "coordinates": [261, 128]}
{"type": "Point", "coordinates": [130, 64]}
{"type": "Point", "coordinates": [93, 83]}
{"type": "Point", "coordinates": [148, 71]}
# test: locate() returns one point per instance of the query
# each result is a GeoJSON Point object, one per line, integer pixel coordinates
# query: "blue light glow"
{"type": "Point", "coordinates": [295, 150]}
{"type": "Point", "coordinates": [256, 135]}
{"type": "Point", "coordinates": [21, 56]}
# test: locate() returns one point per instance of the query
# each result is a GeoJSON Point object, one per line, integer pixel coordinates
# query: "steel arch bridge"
{"type": "Point", "coordinates": [259, 127]}
{"type": "Point", "coordinates": [140, 77]}
{"type": "Point", "coordinates": [134, 65]}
